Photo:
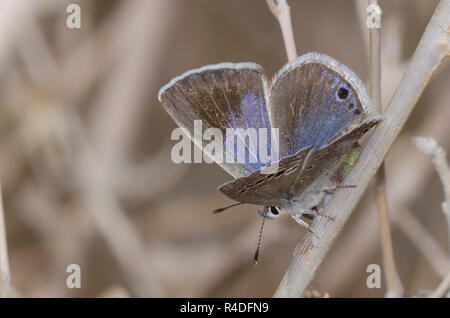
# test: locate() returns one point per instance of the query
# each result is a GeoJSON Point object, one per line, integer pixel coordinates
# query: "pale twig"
{"type": "Point", "coordinates": [394, 285]}
{"type": "Point", "coordinates": [429, 54]}
{"type": "Point", "coordinates": [430, 147]}
{"type": "Point", "coordinates": [5, 275]}
{"type": "Point", "coordinates": [100, 201]}
{"type": "Point", "coordinates": [238, 253]}
{"type": "Point", "coordinates": [114, 292]}
{"type": "Point", "coordinates": [442, 288]}
{"type": "Point", "coordinates": [10, 30]}
{"type": "Point", "coordinates": [361, 14]}
{"type": "Point", "coordinates": [118, 107]}
{"type": "Point", "coordinates": [281, 11]}
{"type": "Point", "coordinates": [422, 239]}
{"type": "Point", "coordinates": [393, 282]}
{"type": "Point", "coordinates": [136, 181]}
{"type": "Point", "coordinates": [363, 238]}
{"type": "Point", "coordinates": [65, 232]}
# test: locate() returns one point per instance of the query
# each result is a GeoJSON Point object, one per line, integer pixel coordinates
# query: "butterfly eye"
{"type": "Point", "coordinates": [342, 93]}
{"type": "Point", "coordinates": [274, 210]}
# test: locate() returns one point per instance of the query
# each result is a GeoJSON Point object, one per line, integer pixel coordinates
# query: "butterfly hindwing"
{"type": "Point", "coordinates": [266, 189]}
{"type": "Point", "coordinates": [330, 157]}
{"type": "Point", "coordinates": [294, 174]}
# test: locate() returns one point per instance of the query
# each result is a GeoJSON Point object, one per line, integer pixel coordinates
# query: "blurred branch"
{"type": "Point", "coordinates": [118, 107]}
{"type": "Point", "coordinates": [361, 14]}
{"type": "Point", "coordinates": [5, 275]}
{"type": "Point", "coordinates": [239, 253]}
{"type": "Point", "coordinates": [137, 181]}
{"type": "Point", "coordinates": [394, 285]}
{"type": "Point", "coordinates": [442, 288]}
{"type": "Point", "coordinates": [10, 30]}
{"type": "Point", "coordinates": [430, 147]}
{"type": "Point", "coordinates": [429, 53]}
{"type": "Point", "coordinates": [114, 292]}
{"type": "Point", "coordinates": [404, 187]}
{"type": "Point", "coordinates": [64, 230]}
{"type": "Point", "coordinates": [422, 239]}
{"type": "Point", "coordinates": [281, 11]}
{"type": "Point", "coordinates": [104, 207]}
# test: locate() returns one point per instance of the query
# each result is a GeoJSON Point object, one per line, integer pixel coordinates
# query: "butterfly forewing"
{"type": "Point", "coordinates": [312, 101]}
{"type": "Point", "coordinates": [222, 96]}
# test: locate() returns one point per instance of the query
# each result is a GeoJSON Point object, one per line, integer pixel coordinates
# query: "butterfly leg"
{"type": "Point", "coordinates": [302, 223]}
{"type": "Point", "coordinates": [330, 190]}
{"type": "Point", "coordinates": [315, 211]}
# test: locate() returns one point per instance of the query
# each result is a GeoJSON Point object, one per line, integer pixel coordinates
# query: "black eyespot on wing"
{"type": "Point", "coordinates": [357, 111]}
{"type": "Point", "coordinates": [342, 93]}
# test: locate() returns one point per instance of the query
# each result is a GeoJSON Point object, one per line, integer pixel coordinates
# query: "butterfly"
{"type": "Point", "coordinates": [319, 108]}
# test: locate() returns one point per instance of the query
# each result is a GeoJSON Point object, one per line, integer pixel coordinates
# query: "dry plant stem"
{"type": "Point", "coordinates": [110, 218]}
{"type": "Point", "coordinates": [394, 285]}
{"type": "Point", "coordinates": [429, 146]}
{"type": "Point", "coordinates": [121, 101]}
{"type": "Point", "coordinates": [422, 239]}
{"type": "Point", "coordinates": [429, 53]}
{"type": "Point", "coordinates": [442, 288]}
{"type": "Point", "coordinates": [404, 186]}
{"type": "Point", "coordinates": [281, 11]}
{"type": "Point", "coordinates": [361, 7]}
{"type": "Point", "coordinates": [5, 275]}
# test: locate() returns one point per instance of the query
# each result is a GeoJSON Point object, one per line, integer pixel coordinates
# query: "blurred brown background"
{"type": "Point", "coordinates": [85, 149]}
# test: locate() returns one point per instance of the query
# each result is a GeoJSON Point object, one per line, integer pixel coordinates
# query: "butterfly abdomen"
{"type": "Point", "coordinates": [350, 160]}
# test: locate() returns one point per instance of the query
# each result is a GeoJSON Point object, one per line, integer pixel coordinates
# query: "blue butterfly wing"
{"type": "Point", "coordinates": [321, 109]}
{"type": "Point", "coordinates": [313, 99]}
{"type": "Point", "coordinates": [222, 96]}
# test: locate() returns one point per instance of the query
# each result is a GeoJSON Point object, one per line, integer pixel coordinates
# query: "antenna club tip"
{"type": "Point", "coordinates": [226, 208]}
{"type": "Point", "coordinates": [256, 257]}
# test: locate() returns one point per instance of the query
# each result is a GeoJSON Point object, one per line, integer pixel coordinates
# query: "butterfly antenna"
{"type": "Point", "coordinates": [226, 208]}
{"type": "Point", "coordinates": [255, 258]}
